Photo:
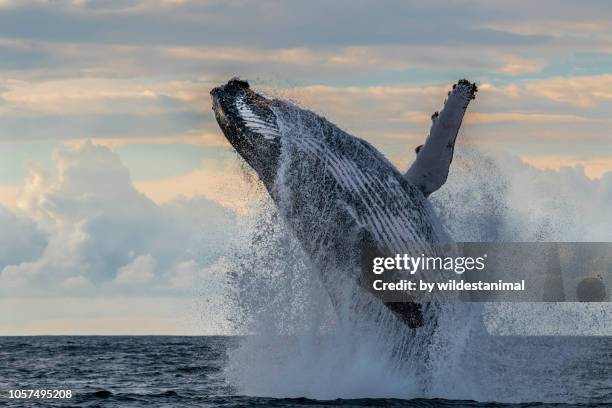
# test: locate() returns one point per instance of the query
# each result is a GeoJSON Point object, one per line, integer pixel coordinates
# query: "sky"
{"type": "Point", "coordinates": [119, 197]}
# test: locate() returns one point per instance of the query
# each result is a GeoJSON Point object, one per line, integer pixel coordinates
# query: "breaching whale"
{"type": "Point", "coordinates": [343, 200]}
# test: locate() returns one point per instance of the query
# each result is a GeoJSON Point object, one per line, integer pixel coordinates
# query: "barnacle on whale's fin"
{"type": "Point", "coordinates": [430, 169]}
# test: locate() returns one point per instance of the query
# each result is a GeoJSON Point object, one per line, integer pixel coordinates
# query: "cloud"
{"type": "Point", "coordinates": [20, 239]}
{"type": "Point", "coordinates": [86, 83]}
{"type": "Point", "coordinates": [120, 40]}
{"type": "Point", "coordinates": [390, 107]}
{"type": "Point", "coordinates": [373, 58]}
{"type": "Point", "coordinates": [101, 233]}
{"type": "Point", "coordinates": [188, 274]}
{"type": "Point", "coordinates": [497, 117]}
{"type": "Point", "coordinates": [521, 67]}
{"type": "Point", "coordinates": [100, 95]}
{"type": "Point", "coordinates": [104, 108]}
{"type": "Point", "coordinates": [228, 182]}
{"type": "Point", "coordinates": [139, 271]}
{"type": "Point", "coordinates": [8, 195]}
{"type": "Point", "coordinates": [394, 118]}
{"type": "Point", "coordinates": [413, 43]}
{"type": "Point", "coordinates": [518, 117]}
{"type": "Point", "coordinates": [581, 91]}
{"type": "Point", "coordinates": [253, 23]}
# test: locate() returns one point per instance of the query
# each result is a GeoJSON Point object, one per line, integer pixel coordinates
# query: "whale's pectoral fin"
{"type": "Point", "coordinates": [430, 169]}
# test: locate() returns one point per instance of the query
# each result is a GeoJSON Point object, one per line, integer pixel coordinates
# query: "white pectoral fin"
{"type": "Point", "coordinates": [430, 169]}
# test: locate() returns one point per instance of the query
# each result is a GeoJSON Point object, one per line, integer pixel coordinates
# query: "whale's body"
{"type": "Point", "coordinates": [342, 199]}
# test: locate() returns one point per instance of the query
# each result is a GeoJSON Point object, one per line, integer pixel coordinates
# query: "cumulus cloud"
{"type": "Point", "coordinates": [140, 270]}
{"type": "Point", "coordinates": [20, 239]}
{"type": "Point", "coordinates": [87, 227]}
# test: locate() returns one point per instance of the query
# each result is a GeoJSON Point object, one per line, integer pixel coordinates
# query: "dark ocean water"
{"type": "Point", "coordinates": [157, 371]}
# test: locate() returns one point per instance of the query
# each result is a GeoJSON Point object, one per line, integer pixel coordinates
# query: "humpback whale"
{"type": "Point", "coordinates": [343, 200]}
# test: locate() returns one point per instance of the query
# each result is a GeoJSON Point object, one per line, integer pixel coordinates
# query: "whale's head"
{"type": "Point", "coordinates": [250, 125]}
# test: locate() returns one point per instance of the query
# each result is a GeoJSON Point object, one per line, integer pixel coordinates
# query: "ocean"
{"type": "Point", "coordinates": [162, 371]}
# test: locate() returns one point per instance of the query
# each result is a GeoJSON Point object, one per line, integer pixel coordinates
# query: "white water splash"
{"type": "Point", "coordinates": [301, 346]}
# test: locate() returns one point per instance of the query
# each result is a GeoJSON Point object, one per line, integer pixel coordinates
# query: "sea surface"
{"type": "Point", "coordinates": [160, 371]}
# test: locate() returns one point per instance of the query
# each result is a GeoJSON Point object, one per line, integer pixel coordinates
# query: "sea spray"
{"type": "Point", "coordinates": [300, 343]}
